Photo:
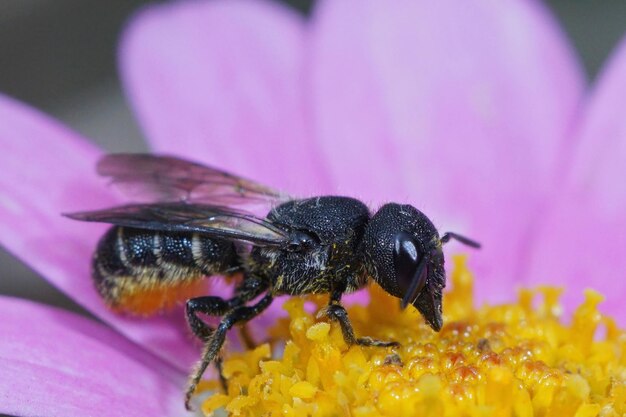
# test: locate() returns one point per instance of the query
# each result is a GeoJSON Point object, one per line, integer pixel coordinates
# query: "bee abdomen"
{"type": "Point", "coordinates": [142, 270]}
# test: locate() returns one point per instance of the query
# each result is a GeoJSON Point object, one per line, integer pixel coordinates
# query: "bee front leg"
{"type": "Point", "coordinates": [240, 314]}
{"type": "Point", "coordinates": [335, 311]}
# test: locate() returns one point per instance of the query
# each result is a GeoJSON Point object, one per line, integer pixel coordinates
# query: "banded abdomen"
{"type": "Point", "coordinates": [143, 271]}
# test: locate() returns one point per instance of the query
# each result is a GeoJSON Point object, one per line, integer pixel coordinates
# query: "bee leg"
{"type": "Point", "coordinates": [246, 337]}
{"type": "Point", "coordinates": [217, 306]}
{"type": "Point", "coordinates": [213, 306]}
{"type": "Point", "coordinates": [337, 312]}
{"type": "Point", "coordinates": [218, 365]}
{"type": "Point", "coordinates": [249, 289]}
{"type": "Point", "coordinates": [240, 314]}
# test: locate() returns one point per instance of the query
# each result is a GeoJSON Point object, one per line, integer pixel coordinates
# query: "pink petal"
{"type": "Point", "coordinates": [461, 108]}
{"type": "Point", "coordinates": [222, 82]}
{"type": "Point", "coordinates": [53, 363]}
{"type": "Point", "coordinates": [582, 241]}
{"type": "Point", "coordinates": [48, 170]}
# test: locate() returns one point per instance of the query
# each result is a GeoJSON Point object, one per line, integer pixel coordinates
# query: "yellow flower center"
{"type": "Point", "coordinates": [508, 360]}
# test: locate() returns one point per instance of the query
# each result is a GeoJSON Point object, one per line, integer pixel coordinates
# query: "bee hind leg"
{"type": "Point", "coordinates": [212, 306]}
{"type": "Point", "coordinates": [240, 314]}
{"type": "Point", "coordinates": [217, 306]}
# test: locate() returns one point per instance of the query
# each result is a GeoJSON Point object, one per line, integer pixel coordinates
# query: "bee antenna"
{"type": "Point", "coordinates": [464, 240]}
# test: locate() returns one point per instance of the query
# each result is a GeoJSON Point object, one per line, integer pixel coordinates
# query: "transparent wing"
{"type": "Point", "coordinates": [167, 178]}
{"type": "Point", "coordinates": [216, 221]}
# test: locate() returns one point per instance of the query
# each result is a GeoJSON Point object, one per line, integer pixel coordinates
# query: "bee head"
{"type": "Point", "coordinates": [405, 252]}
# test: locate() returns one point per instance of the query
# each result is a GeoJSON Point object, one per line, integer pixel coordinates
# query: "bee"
{"type": "Point", "coordinates": [196, 225]}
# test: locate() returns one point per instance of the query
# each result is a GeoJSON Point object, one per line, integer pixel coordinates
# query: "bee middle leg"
{"type": "Point", "coordinates": [247, 290]}
{"type": "Point", "coordinates": [335, 311]}
{"type": "Point", "coordinates": [240, 314]}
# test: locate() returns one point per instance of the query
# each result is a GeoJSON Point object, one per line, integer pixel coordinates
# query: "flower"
{"type": "Point", "coordinates": [512, 359]}
{"type": "Point", "coordinates": [477, 113]}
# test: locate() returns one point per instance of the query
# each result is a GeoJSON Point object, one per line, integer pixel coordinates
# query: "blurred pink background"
{"type": "Point", "coordinates": [59, 57]}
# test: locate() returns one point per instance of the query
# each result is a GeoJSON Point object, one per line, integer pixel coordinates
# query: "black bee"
{"type": "Point", "coordinates": [195, 227]}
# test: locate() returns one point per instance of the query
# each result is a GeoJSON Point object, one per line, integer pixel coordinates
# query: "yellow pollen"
{"type": "Point", "coordinates": [520, 359]}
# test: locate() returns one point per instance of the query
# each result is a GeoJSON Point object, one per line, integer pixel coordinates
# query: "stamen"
{"type": "Point", "coordinates": [517, 359]}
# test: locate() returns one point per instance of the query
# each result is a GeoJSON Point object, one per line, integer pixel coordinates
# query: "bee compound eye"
{"type": "Point", "coordinates": [406, 258]}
